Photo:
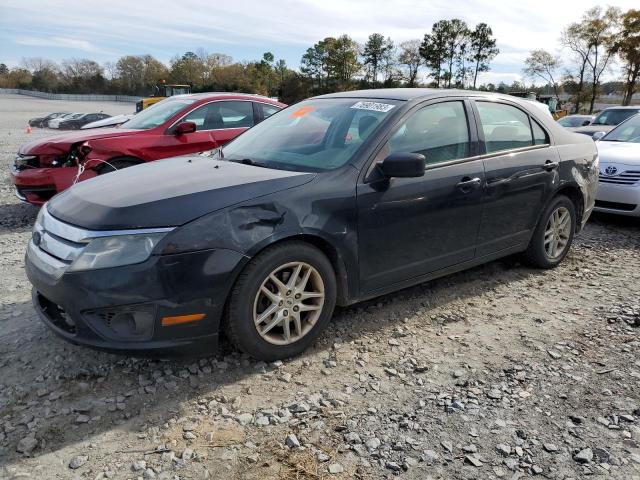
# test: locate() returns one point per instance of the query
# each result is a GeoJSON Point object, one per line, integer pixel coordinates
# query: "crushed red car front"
{"type": "Point", "coordinates": [47, 166]}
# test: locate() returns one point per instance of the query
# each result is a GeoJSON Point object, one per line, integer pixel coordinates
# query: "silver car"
{"type": "Point", "coordinates": [619, 185]}
{"type": "Point", "coordinates": [574, 122]}
{"type": "Point", "coordinates": [607, 119]}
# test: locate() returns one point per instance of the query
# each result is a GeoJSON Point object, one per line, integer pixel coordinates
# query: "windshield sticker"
{"type": "Point", "coordinates": [375, 106]}
{"type": "Point", "coordinates": [302, 111]}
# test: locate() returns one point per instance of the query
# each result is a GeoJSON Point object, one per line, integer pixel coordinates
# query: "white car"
{"type": "Point", "coordinates": [619, 185]}
{"type": "Point", "coordinates": [55, 123]}
{"type": "Point", "coordinates": [108, 122]}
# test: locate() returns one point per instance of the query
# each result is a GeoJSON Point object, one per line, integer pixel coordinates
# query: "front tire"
{"type": "Point", "coordinates": [281, 301]}
{"type": "Point", "coordinates": [553, 235]}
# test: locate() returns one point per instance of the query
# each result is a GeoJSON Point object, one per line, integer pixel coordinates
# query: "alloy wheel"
{"type": "Point", "coordinates": [557, 233]}
{"type": "Point", "coordinates": [288, 303]}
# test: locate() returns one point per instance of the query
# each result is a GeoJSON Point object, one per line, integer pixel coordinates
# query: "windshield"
{"type": "Point", "coordinates": [573, 121]}
{"type": "Point", "coordinates": [315, 135]}
{"type": "Point", "coordinates": [614, 116]}
{"type": "Point", "coordinates": [157, 114]}
{"type": "Point", "coordinates": [629, 131]}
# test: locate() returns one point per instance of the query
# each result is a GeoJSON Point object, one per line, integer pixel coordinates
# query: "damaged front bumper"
{"type": "Point", "coordinates": [38, 185]}
{"type": "Point", "coordinates": [121, 309]}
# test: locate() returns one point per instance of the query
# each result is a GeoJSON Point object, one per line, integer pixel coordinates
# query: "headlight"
{"type": "Point", "coordinates": [24, 161]}
{"type": "Point", "coordinates": [105, 252]}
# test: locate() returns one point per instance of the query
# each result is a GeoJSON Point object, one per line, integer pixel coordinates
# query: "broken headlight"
{"type": "Point", "coordinates": [22, 162]}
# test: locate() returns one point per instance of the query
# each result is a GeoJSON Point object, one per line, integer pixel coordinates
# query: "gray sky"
{"type": "Point", "coordinates": [105, 30]}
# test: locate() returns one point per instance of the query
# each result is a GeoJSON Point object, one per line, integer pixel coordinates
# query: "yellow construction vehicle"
{"type": "Point", "coordinates": [549, 100]}
{"type": "Point", "coordinates": [161, 92]}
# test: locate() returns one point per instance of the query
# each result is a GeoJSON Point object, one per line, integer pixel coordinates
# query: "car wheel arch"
{"type": "Point", "coordinates": [346, 292]}
{"type": "Point", "coordinates": [574, 193]}
{"type": "Point", "coordinates": [101, 164]}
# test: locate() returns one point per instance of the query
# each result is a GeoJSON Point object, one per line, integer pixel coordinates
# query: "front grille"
{"type": "Point", "coordinates": [630, 177]}
{"type": "Point", "coordinates": [55, 238]}
{"type": "Point", "coordinates": [624, 207]}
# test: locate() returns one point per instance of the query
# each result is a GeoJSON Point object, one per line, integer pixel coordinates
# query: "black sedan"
{"type": "Point", "coordinates": [335, 200]}
{"type": "Point", "coordinates": [78, 122]}
{"type": "Point", "coordinates": [42, 122]}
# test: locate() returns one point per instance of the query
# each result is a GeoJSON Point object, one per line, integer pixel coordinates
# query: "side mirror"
{"type": "Point", "coordinates": [185, 127]}
{"type": "Point", "coordinates": [586, 122]}
{"type": "Point", "coordinates": [403, 165]}
{"type": "Point", "coordinates": [598, 135]}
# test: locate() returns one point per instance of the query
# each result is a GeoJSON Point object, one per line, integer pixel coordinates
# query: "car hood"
{"type": "Point", "coordinates": [624, 153]}
{"type": "Point", "coordinates": [61, 143]}
{"type": "Point", "coordinates": [167, 193]}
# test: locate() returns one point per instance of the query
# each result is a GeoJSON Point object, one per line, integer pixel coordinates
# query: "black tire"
{"type": "Point", "coordinates": [239, 324]}
{"type": "Point", "coordinates": [117, 164]}
{"type": "Point", "coordinates": [536, 254]}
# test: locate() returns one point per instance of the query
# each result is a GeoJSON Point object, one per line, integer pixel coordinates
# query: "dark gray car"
{"type": "Point", "coordinates": [334, 200]}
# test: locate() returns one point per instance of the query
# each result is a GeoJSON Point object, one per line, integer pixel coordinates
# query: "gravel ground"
{"type": "Point", "coordinates": [498, 372]}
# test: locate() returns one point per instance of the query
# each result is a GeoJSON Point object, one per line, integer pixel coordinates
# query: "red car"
{"type": "Point", "coordinates": [179, 125]}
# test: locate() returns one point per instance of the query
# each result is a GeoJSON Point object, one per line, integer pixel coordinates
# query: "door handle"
{"type": "Point", "coordinates": [549, 165]}
{"type": "Point", "coordinates": [467, 184]}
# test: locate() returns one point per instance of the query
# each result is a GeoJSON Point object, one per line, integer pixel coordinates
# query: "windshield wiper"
{"type": "Point", "coordinates": [248, 161]}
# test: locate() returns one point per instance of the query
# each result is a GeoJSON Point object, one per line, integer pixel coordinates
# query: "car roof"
{"type": "Point", "coordinates": [620, 107]}
{"type": "Point", "coordinates": [416, 94]}
{"type": "Point", "coordinates": [210, 95]}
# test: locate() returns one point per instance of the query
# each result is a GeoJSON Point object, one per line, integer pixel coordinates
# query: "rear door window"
{"type": "Point", "coordinates": [236, 114]}
{"type": "Point", "coordinates": [221, 115]}
{"type": "Point", "coordinates": [505, 127]}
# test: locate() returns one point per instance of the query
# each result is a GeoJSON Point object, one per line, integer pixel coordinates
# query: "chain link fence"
{"type": "Point", "coordinates": [71, 97]}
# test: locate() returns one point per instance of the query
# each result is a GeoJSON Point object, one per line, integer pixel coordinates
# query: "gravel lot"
{"type": "Point", "coordinates": [498, 372]}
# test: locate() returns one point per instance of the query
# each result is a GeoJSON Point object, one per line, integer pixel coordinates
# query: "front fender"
{"type": "Point", "coordinates": [320, 212]}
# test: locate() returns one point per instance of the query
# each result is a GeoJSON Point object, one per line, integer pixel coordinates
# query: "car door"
{"type": "Point", "coordinates": [520, 164]}
{"type": "Point", "coordinates": [409, 227]}
{"type": "Point", "coordinates": [217, 123]}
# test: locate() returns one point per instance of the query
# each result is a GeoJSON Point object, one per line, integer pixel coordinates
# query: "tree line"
{"type": "Point", "coordinates": [598, 41]}
{"type": "Point", "coordinates": [452, 53]}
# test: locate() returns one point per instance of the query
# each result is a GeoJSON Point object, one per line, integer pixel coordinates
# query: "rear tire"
{"type": "Point", "coordinates": [116, 164]}
{"type": "Point", "coordinates": [281, 302]}
{"type": "Point", "coordinates": [553, 236]}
